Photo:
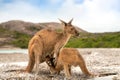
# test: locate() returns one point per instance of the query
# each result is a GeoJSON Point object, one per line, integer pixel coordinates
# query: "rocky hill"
{"type": "Point", "coordinates": [29, 27]}
{"type": "Point", "coordinates": [15, 31]}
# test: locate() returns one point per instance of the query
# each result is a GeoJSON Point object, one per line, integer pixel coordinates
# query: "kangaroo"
{"type": "Point", "coordinates": [68, 57]}
{"type": "Point", "coordinates": [48, 42]}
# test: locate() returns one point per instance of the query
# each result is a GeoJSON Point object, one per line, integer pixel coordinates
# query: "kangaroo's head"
{"type": "Point", "coordinates": [69, 28]}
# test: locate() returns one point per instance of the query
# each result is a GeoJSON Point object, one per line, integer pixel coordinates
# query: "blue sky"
{"type": "Point", "coordinates": [90, 15]}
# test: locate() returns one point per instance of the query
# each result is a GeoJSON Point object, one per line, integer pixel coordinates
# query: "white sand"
{"type": "Point", "coordinates": [97, 60]}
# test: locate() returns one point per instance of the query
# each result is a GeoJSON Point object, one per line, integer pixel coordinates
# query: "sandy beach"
{"type": "Point", "coordinates": [98, 61]}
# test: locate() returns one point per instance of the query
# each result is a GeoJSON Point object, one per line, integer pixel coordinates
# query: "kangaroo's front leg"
{"type": "Point", "coordinates": [57, 48]}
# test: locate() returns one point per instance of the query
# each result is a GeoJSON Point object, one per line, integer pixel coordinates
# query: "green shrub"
{"type": "Point", "coordinates": [85, 40]}
{"type": "Point", "coordinates": [21, 40]}
{"type": "Point", "coordinates": [96, 40]}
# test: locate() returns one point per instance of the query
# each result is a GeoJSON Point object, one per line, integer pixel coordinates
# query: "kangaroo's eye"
{"type": "Point", "coordinates": [72, 28]}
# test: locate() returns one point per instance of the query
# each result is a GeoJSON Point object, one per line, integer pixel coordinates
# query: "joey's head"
{"type": "Point", "coordinates": [50, 61]}
{"type": "Point", "coordinates": [69, 28]}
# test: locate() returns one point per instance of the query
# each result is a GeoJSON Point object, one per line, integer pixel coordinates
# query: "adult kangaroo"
{"type": "Point", "coordinates": [48, 42]}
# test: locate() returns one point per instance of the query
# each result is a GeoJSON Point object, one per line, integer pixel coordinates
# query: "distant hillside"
{"type": "Point", "coordinates": [17, 33]}
{"type": "Point", "coordinates": [31, 28]}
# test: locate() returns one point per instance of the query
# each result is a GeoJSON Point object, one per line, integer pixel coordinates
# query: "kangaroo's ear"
{"type": "Point", "coordinates": [63, 22]}
{"type": "Point", "coordinates": [70, 21]}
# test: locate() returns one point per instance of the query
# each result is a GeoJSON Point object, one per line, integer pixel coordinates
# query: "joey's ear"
{"type": "Point", "coordinates": [63, 22]}
{"type": "Point", "coordinates": [70, 21]}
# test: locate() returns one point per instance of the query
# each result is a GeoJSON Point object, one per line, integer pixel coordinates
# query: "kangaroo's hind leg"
{"type": "Point", "coordinates": [38, 52]}
{"type": "Point", "coordinates": [67, 71]}
{"type": "Point", "coordinates": [83, 66]}
{"type": "Point", "coordinates": [38, 55]}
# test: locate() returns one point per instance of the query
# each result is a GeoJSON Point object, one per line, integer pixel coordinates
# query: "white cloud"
{"type": "Point", "coordinates": [21, 10]}
{"type": "Point", "coordinates": [102, 16]}
{"type": "Point", "coordinates": [91, 15]}
{"type": "Point", "coordinates": [94, 16]}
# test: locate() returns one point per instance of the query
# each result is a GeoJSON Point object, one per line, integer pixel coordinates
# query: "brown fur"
{"type": "Point", "coordinates": [68, 57]}
{"type": "Point", "coordinates": [48, 42]}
